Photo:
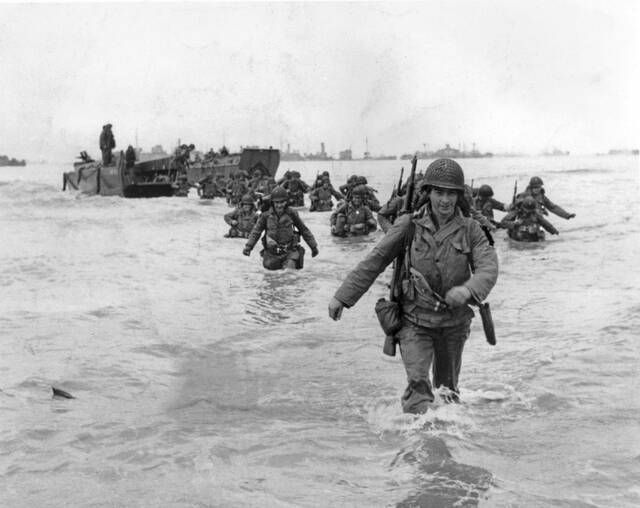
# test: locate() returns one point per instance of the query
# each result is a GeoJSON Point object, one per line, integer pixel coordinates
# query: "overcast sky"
{"type": "Point", "coordinates": [506, 75]}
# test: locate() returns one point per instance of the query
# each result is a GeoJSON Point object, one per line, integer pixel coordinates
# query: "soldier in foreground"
{"type": "Point", "coordinates": [282, 228]}
{"type": "Point", "coordinates": [447, 263]}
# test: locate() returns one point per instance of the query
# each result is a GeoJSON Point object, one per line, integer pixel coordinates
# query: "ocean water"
{"type": "Point", "coordinates": [200, 379]}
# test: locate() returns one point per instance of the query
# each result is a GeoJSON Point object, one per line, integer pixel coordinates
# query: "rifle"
{"type": "Point", "coordinates": [407, 206]}
{"type": "Point", "coordinates": [396, 189]}
{"type": "Point", "coordinates": [399, 187]}
{"type": "Point", "coordinates": [389, 347]}
{"type": "Point", "coordinates": [515, 192]}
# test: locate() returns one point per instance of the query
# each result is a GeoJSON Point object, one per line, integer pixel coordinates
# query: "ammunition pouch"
{"type": "Point", "coordinates": [417, 290]}
{"type": "Point", "coordinates": [389, 315]}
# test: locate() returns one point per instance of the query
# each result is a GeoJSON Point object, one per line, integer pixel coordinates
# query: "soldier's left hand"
{"type": "Point", "coordinates": [457, 296]}
{"type": "Point", "coordinates": [571, 216]}
{"type": "Point", "coordinates": [335, 309]}
{"type": "Point", "coordinates": [314, 252]}
{"type": "Point", "coordinates": [246, 251]}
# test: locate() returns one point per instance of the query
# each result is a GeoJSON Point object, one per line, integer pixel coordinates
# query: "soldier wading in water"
{"type": "Point", "coordinates": [282, 226]}
{"type": "Point", "coordinates": [446, 253]}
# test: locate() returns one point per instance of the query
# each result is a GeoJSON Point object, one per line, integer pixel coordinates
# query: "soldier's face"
{"type": "Point", "coordinates": [357, 200]}
{"type": "Point", "coordinates": [535, 190]}
{"type": "Point", "coordinates": [443, 202]}
{"type": "Point", "coordinates": [246, 207]}
{"type": "Point", "coordinates": [279, 206]}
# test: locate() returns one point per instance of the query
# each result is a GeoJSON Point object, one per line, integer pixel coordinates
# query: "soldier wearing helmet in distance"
{"type": "Point", "coordinates": [535, 190]}
{"type": "Point", "coordinates": [282, 229]}
{"type": "Point", "coordinates": [486, 204]}
{"type": "Point", "coordinates": [354, 217]}
{"type": "Point", "coordinates": [242, 219]}
{"type": "Point", "coordinates": [525, 222]}
{"type": "Point", "coordinates": [441, 243]}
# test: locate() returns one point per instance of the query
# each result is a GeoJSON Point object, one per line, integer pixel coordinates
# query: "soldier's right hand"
{"type": "Point", "coordinates": [234, 222]}
{"type": "Point", "coordinates": [246, 251]}
{"type": "Point", "coordinates": [335, 309]}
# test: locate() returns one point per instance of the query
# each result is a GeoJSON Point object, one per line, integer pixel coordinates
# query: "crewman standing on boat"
{"type": "Point", "coordinates": [107, 143]}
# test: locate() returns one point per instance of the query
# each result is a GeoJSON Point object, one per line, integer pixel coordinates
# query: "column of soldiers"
{"type": "Point", "coordinates": [280, 226]}
{"type": "Point", "coordinates": [525, 216]}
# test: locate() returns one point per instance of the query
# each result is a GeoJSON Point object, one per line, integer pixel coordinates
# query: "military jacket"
{"type": "Point", "coordinates": [529, 222]}
{"type": "Point", "coordinates": [356, 215]}
{"type": "Point", "coordinates": [281, 229]}
{"type": "Point", "coordinates": [544, 203]}
{"type": "Point", "coordinates": [443, 257]}
{"type": "Point", "coordinates": [487, 206]}
{"type": "Point", "coordinates": [237, 188]}
{"type": "Point", "coordinates": [246, 220]}
{"type": "Point", "coordinates": [296, 186]}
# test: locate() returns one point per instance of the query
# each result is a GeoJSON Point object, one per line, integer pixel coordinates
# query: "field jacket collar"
{"type": "Point", "coordinates": [423, 218]}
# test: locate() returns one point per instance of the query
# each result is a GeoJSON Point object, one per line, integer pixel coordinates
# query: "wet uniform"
{"type": "Point", "coordinates": [281, 240]}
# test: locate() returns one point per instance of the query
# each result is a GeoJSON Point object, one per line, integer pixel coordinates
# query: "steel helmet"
{"type": "Point", "coordinates": [444, 173]}
{"type": "Point", "coordinates": [535, 181]}
{"type": "Point", "coordinates": [279, 194]}
{"type": "Point", "coordinates": [485, 191]}
{"type": "Point", "coordinates": [529, 203]}
{"type": "Point", "coordinates": [359, 190]}
{"type": "Point", "coordinates": [247, 199]}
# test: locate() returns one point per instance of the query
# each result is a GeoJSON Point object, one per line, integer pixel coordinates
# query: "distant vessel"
{"type": "Point", "coordinates": [449, 153]}
{"type": "Point", "coordinates": [554, 152]}
{"type": "Point", "coordinates": [291, 156]}
{"type": "Point", "coordinates": [346, 155]}
{"type": "Point", "coordinates": [6, 161]}
{"type": "Point", "coordinates": [621, 151]}
{"type": "Point", "coordinates": [157, 152]}
{"type": "Point", "coordinates": [320, 156]}
{"type": "Point", "coordinates": [368, 157]}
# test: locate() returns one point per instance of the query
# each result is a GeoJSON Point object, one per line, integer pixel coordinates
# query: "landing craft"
{"type": "Point", "coordinates": [147, 179]}
{"type": "Point", "coordinates": [153, 178]}
{"type": "Point", "coordinates": [268, 159]}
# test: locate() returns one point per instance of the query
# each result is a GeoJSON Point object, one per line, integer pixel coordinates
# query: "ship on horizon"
{"type": "Point", "coordinates": [449, 153]}
{"type": "Point", "coordinates": [6, 161]}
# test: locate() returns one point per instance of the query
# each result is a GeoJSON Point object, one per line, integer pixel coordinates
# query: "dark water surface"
{"type": "Point", "coordinates": [202, 380]}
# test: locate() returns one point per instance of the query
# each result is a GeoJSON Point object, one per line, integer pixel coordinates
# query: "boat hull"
{"type": "Point", "coordinates": [116, 180]}
{"type": "Point", "coordinates": [267, 158]}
